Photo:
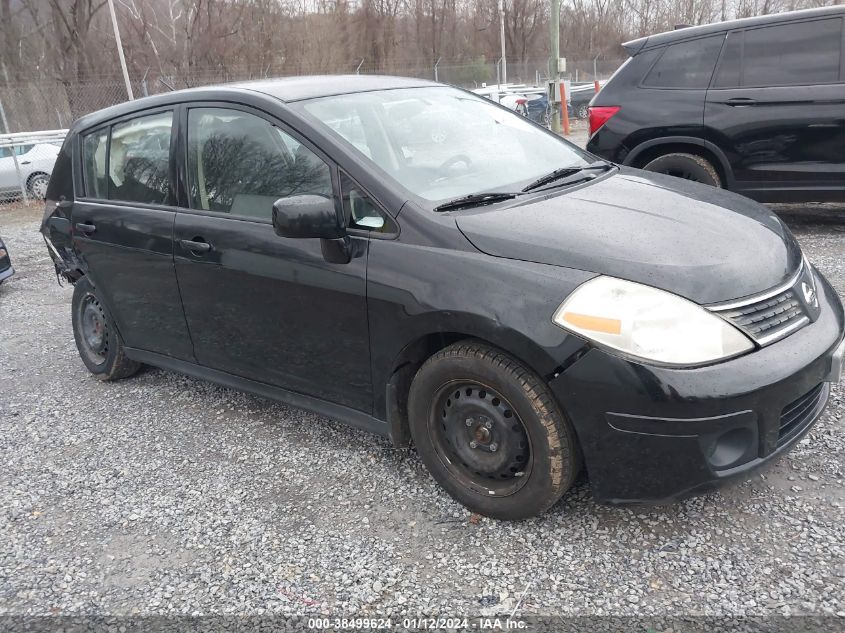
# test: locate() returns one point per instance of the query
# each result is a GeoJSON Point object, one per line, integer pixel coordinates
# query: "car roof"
{"type": "Point", "coordinates": [314, 86]}
{"type": "Point", "coordinates": [669, 37]}
{"type": "Point", "coordinates": [286, 89]}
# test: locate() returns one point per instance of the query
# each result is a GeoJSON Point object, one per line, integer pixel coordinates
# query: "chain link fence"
{"type": "Point", "coordinates": [26, 157]}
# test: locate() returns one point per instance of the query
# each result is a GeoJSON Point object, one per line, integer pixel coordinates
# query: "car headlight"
{"type": "Point", "coordinates": [649, 323]}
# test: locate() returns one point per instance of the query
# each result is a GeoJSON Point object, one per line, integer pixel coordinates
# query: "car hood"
{"type": "Point", "coordinates": [699, 242]}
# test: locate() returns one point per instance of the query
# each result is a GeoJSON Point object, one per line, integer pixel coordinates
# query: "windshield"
{"type": "Point", "coordinates": [440, 142]}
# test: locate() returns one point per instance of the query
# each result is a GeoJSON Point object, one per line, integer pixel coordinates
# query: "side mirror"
{"type": "Point", "coordinates": [306, 216]}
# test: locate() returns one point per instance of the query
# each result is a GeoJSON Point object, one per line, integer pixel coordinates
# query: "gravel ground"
{"type": "Point", "coordinates": [165, 494]}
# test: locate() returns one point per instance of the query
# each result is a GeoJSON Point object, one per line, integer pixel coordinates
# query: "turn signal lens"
{"type": "Point", "coordinates": [3, 253]}
{"type": "Point", "coordinates": [649, 323]}
{"type": "Point", "coordinates": [593, 323]}
{"type": "Point", "coordinates": [599, 115]}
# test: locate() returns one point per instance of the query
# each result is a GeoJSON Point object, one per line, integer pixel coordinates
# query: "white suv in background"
{"type": "Point", "coordinates": [36, 164]}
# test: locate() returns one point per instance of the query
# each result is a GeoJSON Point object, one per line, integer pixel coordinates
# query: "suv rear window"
{"type": "Point", "coordinates": [686, 64]}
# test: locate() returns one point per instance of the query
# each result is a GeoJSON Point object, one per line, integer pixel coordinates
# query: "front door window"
{"type": "Point", "coordinates": [240, 164]}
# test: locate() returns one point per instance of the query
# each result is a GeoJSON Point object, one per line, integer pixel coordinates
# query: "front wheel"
{"type": "Point", "coordinates": [686, 166]}
{"type": "Point", "coordinates": [491, 433]}
{"type": "Point", "coordinates": [97, 338]}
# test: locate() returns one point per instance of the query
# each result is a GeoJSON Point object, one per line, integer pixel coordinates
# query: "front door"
{"type": "Point", "coordinates": [776, 107]}
{"type": "Point", "coordinates": [123, 228]}
{"type": "Point", "coordinates": [260, 306]}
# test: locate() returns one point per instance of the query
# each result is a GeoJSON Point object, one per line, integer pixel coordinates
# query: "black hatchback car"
{"type": "Point", "coordinates": [509, 303]}
{"type": "Point", "coordinates": [752, 105]}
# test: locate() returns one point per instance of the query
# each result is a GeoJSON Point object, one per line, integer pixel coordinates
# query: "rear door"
{"type": "Point", "coordinates": [258, 305]}
{"type": "Point", "coordinates": [776, 107]}
{"type": "Point", "coordinates": [123, 229]}
{"type": "Point", "coordinates": [670, 97]}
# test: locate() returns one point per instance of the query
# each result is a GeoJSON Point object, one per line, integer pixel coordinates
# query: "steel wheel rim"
{"type": "Point", "coordinates": [682, 173]}
{"type": "Point", "coordinates": [93, 329]}
{"type": "Point", "coordinates": [480, 439]}
{"type": "Point", "coordinates": [38, 187]}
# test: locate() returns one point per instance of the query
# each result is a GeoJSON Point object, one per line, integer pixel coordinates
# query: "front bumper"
{"type": "Point", "coordinates": [6, 273]}
{"type": "Point", "coordinates": [652, 433]}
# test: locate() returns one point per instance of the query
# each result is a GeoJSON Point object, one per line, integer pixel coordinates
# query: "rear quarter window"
{"type": "Point", "coordinates": [686, 64]}
{"type": "Point", "coordinates": [94, 163]}
{"type": "Point", "coordinates": [61, 180]}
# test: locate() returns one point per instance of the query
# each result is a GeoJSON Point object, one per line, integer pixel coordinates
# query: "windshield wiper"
{"type": "Point", "coordinates": [565, 172]}
{"type": "Point", "coordinates": [477, 200]}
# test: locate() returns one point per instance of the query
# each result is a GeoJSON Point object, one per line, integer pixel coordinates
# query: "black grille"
{"type": "Point", "coordinates": [764, 319]}
{"type": "Point", "coordinates": [798, 415]}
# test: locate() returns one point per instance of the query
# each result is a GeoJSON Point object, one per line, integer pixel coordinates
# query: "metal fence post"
{"type": "Point", "coordinates": [21, 183]}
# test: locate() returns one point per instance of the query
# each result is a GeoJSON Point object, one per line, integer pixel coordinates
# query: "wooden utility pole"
{"type": "Point", "coordinates": [554, 60]}
{"type": "Point", "coordinates": [120, 51]}
{"type": "Point", "coordinates": [502, 40]}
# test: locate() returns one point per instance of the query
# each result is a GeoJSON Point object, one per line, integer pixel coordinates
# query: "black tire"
{"type": "Point", "coordinates": [686, 166]}
{"type": "Point", "coordinates": [36, 185]}
{"type": "Point", "coordinates": [97, 338]}
{"type": "Point", "coordinates": [583, 111]}
{"type": "Point", "coordinates": [507, 420]}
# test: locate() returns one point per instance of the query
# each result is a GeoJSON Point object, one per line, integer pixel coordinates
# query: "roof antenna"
{"type": "Point", "coordinates": [682, 26]}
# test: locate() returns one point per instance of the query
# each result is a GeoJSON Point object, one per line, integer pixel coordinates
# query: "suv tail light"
{"type": "Point", "coordinates": [599, 115]}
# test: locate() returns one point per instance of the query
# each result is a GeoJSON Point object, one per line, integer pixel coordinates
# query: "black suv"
{"type": "Point", "coordinates": [752, 105]}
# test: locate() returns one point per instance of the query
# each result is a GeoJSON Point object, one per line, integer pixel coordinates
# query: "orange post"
{"type": "Point", "coordinates": [564, 111]}
{"type": "Point", "coordinates": [597, 86]}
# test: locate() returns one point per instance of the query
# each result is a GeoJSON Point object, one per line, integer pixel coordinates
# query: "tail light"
{"type": "Point", "coordinates": [599, 115]}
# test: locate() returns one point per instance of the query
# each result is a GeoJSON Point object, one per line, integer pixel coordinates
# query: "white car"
{"type": "Point", "coordinates": [36, 164]}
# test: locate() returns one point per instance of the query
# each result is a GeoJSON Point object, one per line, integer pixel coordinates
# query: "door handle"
{"type": "Point", "coordinates": [740, 101]}
{"type": "Point", "coordinates": [195, 246]}
{"type": "Point", "coordinates": [25, 162]}
{"type": "Point", "coordinates": [87, 229]}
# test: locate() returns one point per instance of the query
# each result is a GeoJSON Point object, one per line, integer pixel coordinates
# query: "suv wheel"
{"type": "Point", "coordinates": [583, 111]}
{"type": "Point", "coordinates": [686, 166]}
{"type": "Point", "coordinates": [491, 433]}
{"type": "Point", "coordinates": [97, 338]}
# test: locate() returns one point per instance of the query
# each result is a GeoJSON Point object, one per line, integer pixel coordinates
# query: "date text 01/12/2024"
{"type": "Point", "coordinates": [419, 624]}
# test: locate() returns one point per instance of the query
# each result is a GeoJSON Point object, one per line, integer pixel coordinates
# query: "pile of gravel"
{"type": "Point", "coordinates": [162, 494]}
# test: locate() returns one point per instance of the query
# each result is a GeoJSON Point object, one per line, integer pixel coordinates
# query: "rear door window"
{"type": "Point", "coordinates": [686, 64]}
{"type": "Point", "coordinates": [792, 54]}
{"type": "Point", "coordinates": [139, 159]}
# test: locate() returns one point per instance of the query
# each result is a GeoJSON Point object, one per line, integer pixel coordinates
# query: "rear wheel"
{"type": "Point", "coordinates": [686, 166]}
{"type": "Point", "coordinates": [583, 111]}
{"type": "Point", "coordinates": [97, 338]}
{"type": "Point", "coordinates": [490, 432]}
